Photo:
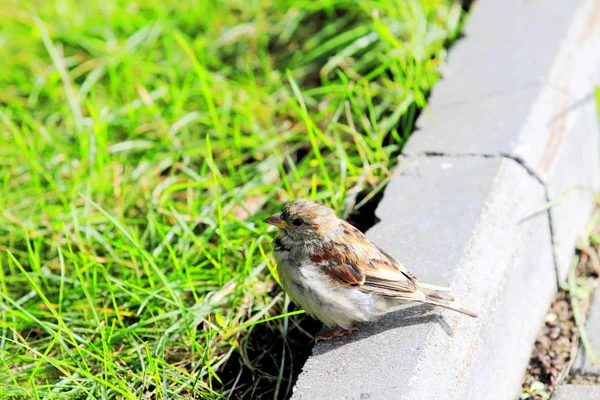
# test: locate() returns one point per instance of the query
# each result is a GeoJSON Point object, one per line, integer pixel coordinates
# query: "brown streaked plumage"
{"type": "Point", "coordinates": [337, 275]}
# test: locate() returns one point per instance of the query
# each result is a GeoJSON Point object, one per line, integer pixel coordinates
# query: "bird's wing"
{"type": "Point", "coordinates": [386, 276]}
{"type": "Point", "coordinates": [357, 262]}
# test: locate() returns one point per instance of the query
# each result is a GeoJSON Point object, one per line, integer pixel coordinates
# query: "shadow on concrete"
{"type": "Point", "coordinates": [401, 318]}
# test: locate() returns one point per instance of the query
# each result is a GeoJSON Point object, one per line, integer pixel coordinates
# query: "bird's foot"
{"type": "Point", "coordinates": [332, 333]}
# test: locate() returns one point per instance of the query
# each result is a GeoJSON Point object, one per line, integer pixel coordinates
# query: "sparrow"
{"type": "Point", "coordinates": [338, 276]}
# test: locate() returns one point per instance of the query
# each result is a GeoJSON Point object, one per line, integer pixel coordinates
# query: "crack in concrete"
{"type": "Point", "coordinates": [531, 173]}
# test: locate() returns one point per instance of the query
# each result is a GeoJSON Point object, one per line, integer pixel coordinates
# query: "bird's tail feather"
{"type": "Point", "coordinates": [443, 298]}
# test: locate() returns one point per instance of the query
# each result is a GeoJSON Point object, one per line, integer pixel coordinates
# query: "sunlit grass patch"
{"type": "Point", "coordinates": [142, 145]}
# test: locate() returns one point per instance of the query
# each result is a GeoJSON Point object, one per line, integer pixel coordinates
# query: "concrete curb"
{"type": "Point", "coordinates": [510, 127]}
{"type": "Point", "coordinates": [510, 93]}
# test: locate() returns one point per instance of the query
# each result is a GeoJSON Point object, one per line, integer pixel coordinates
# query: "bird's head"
{"type": "Point", "coordinates": [304, 220]}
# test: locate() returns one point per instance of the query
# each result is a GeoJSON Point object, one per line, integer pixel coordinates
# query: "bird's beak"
{"type": "Point", "coordinates": [276, 220]}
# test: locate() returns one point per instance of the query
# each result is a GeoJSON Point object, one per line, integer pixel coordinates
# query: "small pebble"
{"type": "Point", "coordinates": [551, 317]}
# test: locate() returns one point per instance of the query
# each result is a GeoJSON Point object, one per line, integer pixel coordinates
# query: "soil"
{"type": "Point", "coordinates": [557, 342]}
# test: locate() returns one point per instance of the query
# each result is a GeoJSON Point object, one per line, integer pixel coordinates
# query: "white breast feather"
{"type": "Point", "coordinates": [334, 306]}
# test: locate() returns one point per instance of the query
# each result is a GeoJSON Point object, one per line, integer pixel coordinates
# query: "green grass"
{"type": "Point", "coordinates": [142, 144]}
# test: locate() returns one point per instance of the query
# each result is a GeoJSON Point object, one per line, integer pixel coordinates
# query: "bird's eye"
{"type": "Point", "coordinates": [297, 221]}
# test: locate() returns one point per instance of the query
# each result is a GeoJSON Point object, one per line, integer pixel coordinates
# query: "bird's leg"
{"type": "Point", "coordinates": [327, 334]}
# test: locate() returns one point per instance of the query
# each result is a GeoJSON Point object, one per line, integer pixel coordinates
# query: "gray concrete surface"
{"type": "Point", "coordinates": [451, 221]}
{"type": "Point", "coordinates": [577, 392]}
{"type": "Point", "coordinates": [583, 363]}
{"type": "Point", "coordinates": [510, 126]}
{"type": "Point", "coordinates": [515, 88]}
{"type": "Point", "coordinates": [570, 183]}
